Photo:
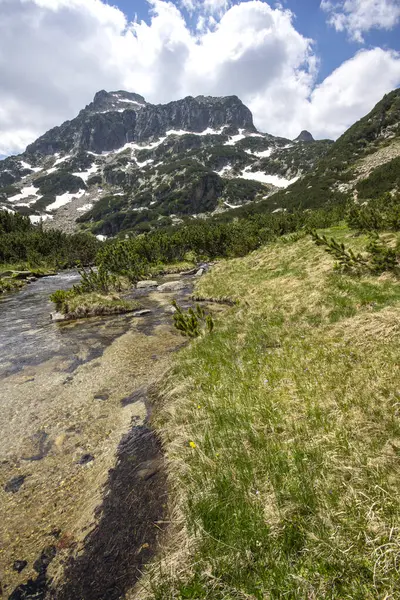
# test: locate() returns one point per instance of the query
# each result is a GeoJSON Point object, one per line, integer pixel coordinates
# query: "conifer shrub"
{"type": "Point", "coordinates": [380, 257]}
{"type": "Point", "coordinates": [192, 323]}
{"type": "Point", "coordinates": [379, 214]}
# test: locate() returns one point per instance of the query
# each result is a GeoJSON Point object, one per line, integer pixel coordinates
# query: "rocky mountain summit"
{"type": "Point", "coordinates": [126, 164]}
{"type": "Point", "coordinates": [117, 118]}
{"type": "Point", "coordinates": [305, 136]}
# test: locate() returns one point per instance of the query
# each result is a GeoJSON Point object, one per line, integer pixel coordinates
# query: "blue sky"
{"type": "Point", "coordinates": [300, 64]}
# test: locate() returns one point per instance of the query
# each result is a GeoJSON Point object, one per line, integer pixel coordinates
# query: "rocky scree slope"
{"type": "Point", "coordinates": [126, 164]}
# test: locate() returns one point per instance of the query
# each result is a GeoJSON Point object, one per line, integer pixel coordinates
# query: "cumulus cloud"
{"type": "Point", "coordinates": [55, 54]}
{"type": "Point", "coordinates": [360, 16]}
{"type": "Point", "coordinates": [352, 90]}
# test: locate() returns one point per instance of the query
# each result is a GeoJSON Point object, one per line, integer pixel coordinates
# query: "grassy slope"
{"type": "Point", "coordinates": [292, 488]}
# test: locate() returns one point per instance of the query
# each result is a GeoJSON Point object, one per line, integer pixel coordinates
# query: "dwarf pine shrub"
{"type": "Point", "coordinates": [193, 322]}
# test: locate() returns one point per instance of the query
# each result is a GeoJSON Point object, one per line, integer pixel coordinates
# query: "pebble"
{"type": "Point", "coordinates": [19, 565]}
{"type": "Point", "coordinates": [85, 459]}
{"type": "Point", "coordinates": [101, 396]}
{"type": "Point", "coordinates": [15, 483]}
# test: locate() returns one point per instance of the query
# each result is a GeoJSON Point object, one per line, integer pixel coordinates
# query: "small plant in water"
{"type": "Point", "coordinates": [193, 322]}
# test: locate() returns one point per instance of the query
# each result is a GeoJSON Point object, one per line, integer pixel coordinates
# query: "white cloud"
{"type": "Point", "coordinates": [360, 16]}
{"type": "Point", "coordinates": [352, 90]}
{"type": "Point", "coordinates": [55, 54]}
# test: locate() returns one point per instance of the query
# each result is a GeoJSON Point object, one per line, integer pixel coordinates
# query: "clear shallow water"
{"type": "Point", "coordinates": [70, 390]}
{"type": "Point", "coordinates": [29, 337]}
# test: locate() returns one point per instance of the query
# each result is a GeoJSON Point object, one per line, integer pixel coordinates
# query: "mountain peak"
{"type": "Point", "coordinates": [118, 100]}
{"type": "Point", "coordinates": [305, 136]}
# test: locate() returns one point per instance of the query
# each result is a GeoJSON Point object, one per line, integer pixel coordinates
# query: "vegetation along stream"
{"type": "Point", "coordinates": [82, 484]}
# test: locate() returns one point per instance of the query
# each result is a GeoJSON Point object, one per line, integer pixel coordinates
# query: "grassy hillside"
{"type": "Point", "coordinates": [283, 437]}
{"type": "Point", "coordinates": [380, 128]}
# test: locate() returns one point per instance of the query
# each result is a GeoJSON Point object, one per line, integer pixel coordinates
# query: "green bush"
{"type": "Point", "coordinates": [20, 242]}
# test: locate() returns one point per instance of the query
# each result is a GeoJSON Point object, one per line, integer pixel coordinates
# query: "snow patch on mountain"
{"type": "Point", "coordinates": [264, 153]}
{"type": "Point", "coordinates": [37, 218]}
{"type": "Point", "coordinates": [144, 163]}
{"type": "Point", "coordinates": [126, 100]}
{"type": "Point", "coordinates": [26, 192]}
{"type": "Point", "coordinates": [232, 205]}
{"type": "Point", "coordinates": [65, 199]}
{"type": "Point", "coordinates": [26, 165]}
{"type": "Point", "coordinates": [86, 174]}
{"type": "Point", "coordinates": [224, 170]}
{"type": "Point", "coordinates": [207, 131]}
{"type": "Point", "coordinates": [235, 138]}
{"type": "Point", "coordinates": [85, 207]}
{"type": "Point", "coordinates": [61, 160]}
{"type": "Point", "coordinates": [275, 180]}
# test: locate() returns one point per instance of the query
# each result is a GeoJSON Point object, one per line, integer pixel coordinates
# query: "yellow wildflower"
{"type": "Point", "coordinates": [192, 444]}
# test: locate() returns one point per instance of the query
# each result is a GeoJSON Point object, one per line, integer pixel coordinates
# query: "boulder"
{"type": "Point", "coordinates": [85, 459]}
{"type": "Point", "coordinates": [170, 310]}
{"type": "Point", "coordinates": [146, 284]}
{"type": "Point", "coordinates": [171, 286]}
{"type": "Point", "coordinates": [200, 272]}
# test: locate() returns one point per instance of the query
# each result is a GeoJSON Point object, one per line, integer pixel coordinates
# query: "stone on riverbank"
{"type": "Point", "coordinates": [141, 285]}
{"type": "Point", "coordinates": [171, 286]}
{"type": "Point", "coordinates": [142, 313]}
{"type": "Point", "coordinates": [57, 316]}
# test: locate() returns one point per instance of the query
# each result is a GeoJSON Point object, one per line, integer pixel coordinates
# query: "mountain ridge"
{"type": "Point", "coordinates": [124, 164]}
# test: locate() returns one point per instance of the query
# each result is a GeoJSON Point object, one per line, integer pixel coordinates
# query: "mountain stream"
{"type": "Point", "coordinates": [82, 483]}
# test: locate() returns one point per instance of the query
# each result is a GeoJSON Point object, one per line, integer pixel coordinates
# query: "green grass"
{"type": "Point", "coordinates": [8, 284]}
{"type": "Point", "coordinates": [94, 304]}
{"type": "Point", "coordinates": [283, 437]}
{"type": "Point", "coordinates": [9, 281]}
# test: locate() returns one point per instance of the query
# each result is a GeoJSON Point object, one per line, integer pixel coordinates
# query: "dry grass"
{"type": "Point", "coordinates": [292, 487]}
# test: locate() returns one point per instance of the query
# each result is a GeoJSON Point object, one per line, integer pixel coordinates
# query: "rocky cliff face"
{"type": "Point", "coordinates": [116, 118]}
{"type": "Point", "coordinates": [125, 164]}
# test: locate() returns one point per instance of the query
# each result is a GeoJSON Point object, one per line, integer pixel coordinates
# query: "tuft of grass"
{"type": "Point", "coordinates": [94, 304]}
{"type": "Point", "coordinates": [9, 284]}
{"type": "Point", "coordinates": [283, 436]}
{"type": "Point", "coordinates": [171, 269]}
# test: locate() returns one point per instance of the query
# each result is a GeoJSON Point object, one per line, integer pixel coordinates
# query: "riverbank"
{"type": "Point", "coordinates": [13, 279]}
{"type": "Point", "coordinates": [282, 435]}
